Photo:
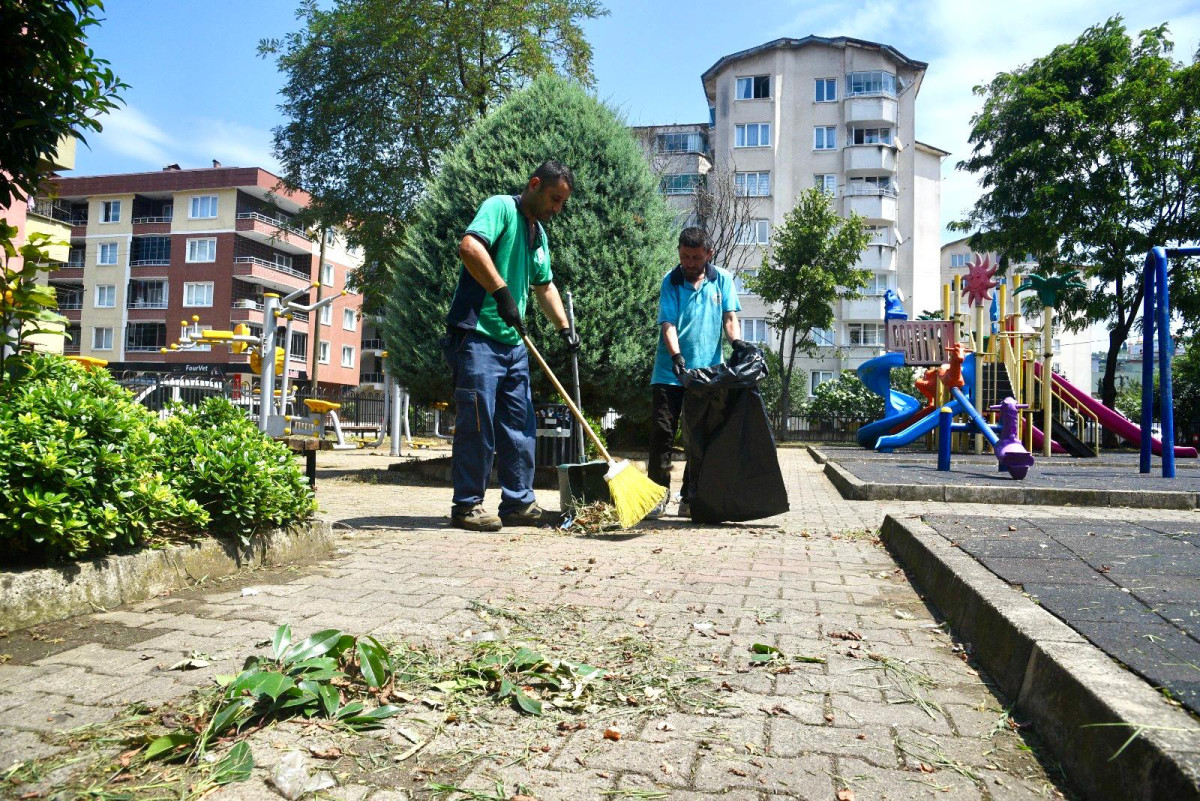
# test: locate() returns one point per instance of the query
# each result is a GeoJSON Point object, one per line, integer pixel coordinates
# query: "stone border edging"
{"type": "Point", "coordinates": [42, 595]}
{"type": "Point", "coordinates": [853, 488]}
{"type": "Point", "coordinates": [1057, 679]}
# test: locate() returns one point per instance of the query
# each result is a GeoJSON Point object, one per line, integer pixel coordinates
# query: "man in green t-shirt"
{"type": "Point", "coordinates": [504, 253]}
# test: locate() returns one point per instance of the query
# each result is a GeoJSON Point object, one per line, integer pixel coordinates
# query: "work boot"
{"type": "Point", "coordinates": [685, 509]}
{"type": "Point", "coordinates": [474, 518]}
{"type": "Point", "coordinates": [531, 515]}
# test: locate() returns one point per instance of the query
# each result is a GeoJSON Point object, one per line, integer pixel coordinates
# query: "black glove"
{"type": "Point", "coordinates": [740, 345]}
{"type": "Point", "coordinates": [506, 308]}
{"type": "Point", "coordinates": [570, 340]}
{"type": "Point", "coordinates": [678, 366]}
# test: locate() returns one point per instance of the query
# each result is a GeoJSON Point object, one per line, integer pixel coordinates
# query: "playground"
{"type": "Point", "coordinates": [989, 369]}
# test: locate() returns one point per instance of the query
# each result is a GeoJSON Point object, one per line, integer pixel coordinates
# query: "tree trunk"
{"type": "Point", "coordinates": [1108, 381]}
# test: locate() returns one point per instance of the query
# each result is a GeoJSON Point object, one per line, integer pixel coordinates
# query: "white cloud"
{"type": "Point", "coordinates": [130, 133]}
{"type": "Point", "coordinates": [233, 144]}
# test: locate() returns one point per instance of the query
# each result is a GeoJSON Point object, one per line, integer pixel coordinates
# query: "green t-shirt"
{"type": "Point", "coordinates": [521, 256]}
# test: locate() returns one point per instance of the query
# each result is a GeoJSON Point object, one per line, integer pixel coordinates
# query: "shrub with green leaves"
{"type": "Point", "coordinates": [243, 479]}
{"type": "Point", "coordinates": [611, 246]}
{"type": "Point", "coordinates": [80, 467]}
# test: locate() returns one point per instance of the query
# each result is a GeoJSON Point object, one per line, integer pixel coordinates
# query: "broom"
{"type": "Point", "coordinates": [633, 493]}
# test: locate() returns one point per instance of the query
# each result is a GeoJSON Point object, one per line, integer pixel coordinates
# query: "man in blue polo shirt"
{"type": "Point", "coordinates": [504, 252]}
{"type": "Point", "coordinates": [696, 302]}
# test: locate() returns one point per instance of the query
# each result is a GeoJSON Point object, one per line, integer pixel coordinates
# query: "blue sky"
{"type": "Point", "coordinates": [198, 90]}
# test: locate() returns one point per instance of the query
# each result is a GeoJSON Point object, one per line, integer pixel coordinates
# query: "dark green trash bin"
{"type": "Point", "coordinates": [582, 484]}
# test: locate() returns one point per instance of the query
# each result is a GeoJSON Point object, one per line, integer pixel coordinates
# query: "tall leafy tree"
{"type": "Point", "coordinates": [376, 91]}
{"type": "Point", "coordinates": [610, 247]}
{"type": "Point", "coordinates": [51, 85]}
{"type": "Point", "coordinates": [1088, 157]}
{"type": "Point", "coordinates": [810, 267]}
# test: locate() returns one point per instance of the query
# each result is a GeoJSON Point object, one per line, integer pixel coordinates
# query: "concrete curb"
{"type": "Point", "coordinates": [40, 595]}
{"type": "Point", "coordinates": [1057, 679]}
{"type": "Point", "coordinates": [855, 489]}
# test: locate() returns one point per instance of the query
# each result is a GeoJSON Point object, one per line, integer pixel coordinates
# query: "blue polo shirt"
{"type": "Point", "coordinates": [697, 314]}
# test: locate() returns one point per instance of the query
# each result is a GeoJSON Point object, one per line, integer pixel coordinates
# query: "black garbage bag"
{"type": "Point", "coordinates": [733, 471]}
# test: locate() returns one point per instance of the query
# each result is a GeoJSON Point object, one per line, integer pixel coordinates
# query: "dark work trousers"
{"type": "Point", "coordinates": [493, 418]}
{"type": "Point", "coordinates": [664, 421]}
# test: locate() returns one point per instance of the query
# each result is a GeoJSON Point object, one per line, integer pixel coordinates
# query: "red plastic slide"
{"type": "Point", "coordinates": [1111, 419]}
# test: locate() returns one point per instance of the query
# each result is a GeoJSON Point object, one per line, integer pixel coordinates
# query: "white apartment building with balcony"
{"type": "Point", "coordinates": [837, 113]}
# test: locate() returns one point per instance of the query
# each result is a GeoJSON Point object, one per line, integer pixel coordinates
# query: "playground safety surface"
{"type": "Point", "coordinates": [1061, 472]}
{"type": "Point", "coordinates": [1131, 588]}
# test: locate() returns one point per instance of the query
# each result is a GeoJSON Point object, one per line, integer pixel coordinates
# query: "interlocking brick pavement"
{"type": "Point", "coordinates": [794, 582]}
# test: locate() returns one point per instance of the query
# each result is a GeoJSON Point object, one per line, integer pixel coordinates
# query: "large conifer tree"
{"type": "Point", "coordinates": [610, 247]}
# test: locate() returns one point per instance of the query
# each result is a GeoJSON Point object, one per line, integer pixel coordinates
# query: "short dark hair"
{"type": "Point", "coordinates": [693, 237]}
{"type": "Point", "coordinates": [549, 172]}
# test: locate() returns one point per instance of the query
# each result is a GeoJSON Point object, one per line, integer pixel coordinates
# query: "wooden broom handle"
{"type": "Point", "coordinates": [575, 409]}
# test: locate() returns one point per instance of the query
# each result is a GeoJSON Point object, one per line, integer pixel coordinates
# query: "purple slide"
{"type": "Point", "coordinates": [1113, 420]}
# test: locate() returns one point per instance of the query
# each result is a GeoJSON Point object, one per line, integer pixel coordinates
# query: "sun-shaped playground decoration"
{"type": "Point", "coordinates": [978, 283]}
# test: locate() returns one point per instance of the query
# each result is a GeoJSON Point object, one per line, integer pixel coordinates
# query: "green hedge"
{"type": "Point", "coordinates": [85, 471]}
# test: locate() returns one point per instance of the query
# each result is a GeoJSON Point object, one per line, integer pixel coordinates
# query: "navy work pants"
{"type": "Point", "coordinates": [493, 418]}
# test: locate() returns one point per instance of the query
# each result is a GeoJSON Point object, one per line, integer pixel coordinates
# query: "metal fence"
{"type": "Point", "coordinates": [803, 429]}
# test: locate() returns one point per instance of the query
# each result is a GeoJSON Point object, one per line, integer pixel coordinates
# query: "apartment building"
{"type": "Point", "coordinates": [1073, 349]}
{"type": "Point", "coordinates": [837, 113]}
{"type": "Point", "coordinates": [148, 251]}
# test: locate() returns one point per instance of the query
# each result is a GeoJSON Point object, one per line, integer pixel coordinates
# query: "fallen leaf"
{"type": "Point", "coordinates": [657, 550]}
{"type": "Point", "coordinates": [845, 635]}
{"type": "Point", "coordinates": [664, 726]}
{"type": "Point", "coordinates": [829, 717]}
{"type": "Point", "coordinates": [926, 768]}
{"type": "Point", "coordinates": [189, 664]}
{"type": "Point", "coordinates": [738, 772]}
{"type": "Point", "coordinates": [328, 753]}
{"type": "Point", "coordinates": [612, 734]}
{"type": "Point", "coordinates": [845, 794]}
{"type": "Point", "coordinates": [860, 737]}
{"type": "Point", "coordinates": [520, 797]}
{"type": "Point", "coordinates": [1012, 528]}
{"type": "Point", "coordinates": [666, 768]}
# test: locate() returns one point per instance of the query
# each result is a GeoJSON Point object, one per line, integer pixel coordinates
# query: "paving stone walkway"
{"type": "Point", "coordinates": [895, 711]}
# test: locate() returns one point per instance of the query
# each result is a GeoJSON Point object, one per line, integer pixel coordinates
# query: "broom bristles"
{"type": "Point", "coordinates": [633, 493]}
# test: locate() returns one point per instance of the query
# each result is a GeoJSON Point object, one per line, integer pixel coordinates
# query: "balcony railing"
{"type": "Point", "coordinates": [76, 263]}
{"type": "Point", "coordinates": [370, 378]}
{"type": "Point", "coordinates": [156, 261]}
{"type": "Point", "coordinates": [143, 348]}
{"type": "Point", "coordinates": [139, 220]}
{"type": "Point", "coordinates": [272, 221]}
{"type": "Point", "coordinates": [870, 190]}
{"type": "Point", "coordinates": [51, 209]}
{"type": "Point", "coordinates": [146, 304]}
{"type": "Point", "coordinates": [73, 303]}
{"type": "Point", "coordinates": [271, 265]}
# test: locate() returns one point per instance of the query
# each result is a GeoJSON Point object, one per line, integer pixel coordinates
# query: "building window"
{"type": "Point", "coordinates": [739, 281]}
{"type": "Point", "coordinates": [323, 352]}
{"type": "Point", "coordinates": [754, 329]}
{"type": "Point", "coordinates": [712, 116]}
{"type": "Point", "coordinates": [826, 182]}
{"type": "Point", "coordinates": [816, 378]}
{"type": "Point", "coordinates": [145, 337]}
{"type": "Point", "coordinates": [110, 211]}
{"type": "Point", "coordinates": [107, 254]}
{"type": "Point", "coordinates": [147, 295]}
{"type": "Point", "coordinates": [755, 88]}
{"type": "Point", "coordinates": [680, 183]}
{"type": "Point", "coordinates": [960, 259]}
{"type": "Point", "coordinates": [754, 134]}
{"type": "Point", "coordinates": [822, 337]}
{"type": "Point", "coordinates": [330, 237]}
{"type": "Point", "coordinates": [870, 83]}
{"type": "Point", "coordinates": [326, 315]}
{"type": "Point", "coordinates": [825, 137]}
{"type": "Point", "coordinates": [826, 90]}
{"type": "Point", "coordinates": [106, 296]}
{"type": "Point", "coordinates": [203, 207]}
{"type": "Point", "coordinates": [755, 232]}
{"type": "Point", "coordinates": [349, 320]}
{"type": "Point", "coordinates": [347, 355]}
{"type": "Point", "coordinates": [201, 250]}
{"type": "Point", "coordinates": [865, 334]}
{"type": "Point", "coordinates": [198, 294]}
{"type": "Point", "coordinates": [299, 347]}
{"type": "Point", "coordinates": [872, 185]}
{"type": "Point", "coordinates": [195, 331]}
{"type": "Point", "coordinates": [877, 284]}
{"type": "Point", "coordinates": [688, 142]}
{"type": "Point", "coordinates": [145, 250]}
{"type": "Point", "coordinates": [871, 136]}
{"type": "Point", "coordinates": [327, 274]}
{"type": "Point", "coordinates": [102, 339]}
{"type": "Point", "coordinates": [752, 184]}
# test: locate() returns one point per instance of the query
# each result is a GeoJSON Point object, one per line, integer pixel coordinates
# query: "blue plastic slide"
{"type": "Point", "coordinates": [899, 408]}
{"type": "Point", "coordinates": [930, 421]}
{"type": "Point", "coordinates": [982, 425]}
